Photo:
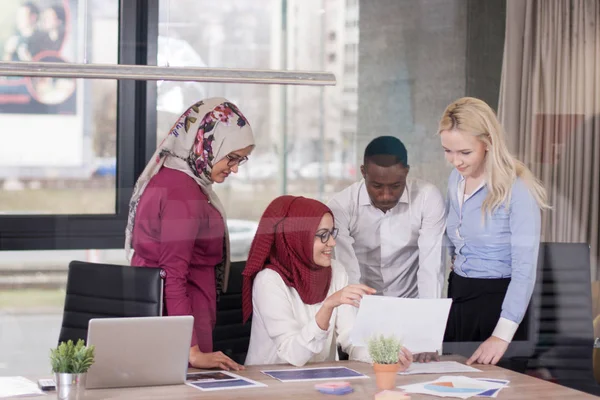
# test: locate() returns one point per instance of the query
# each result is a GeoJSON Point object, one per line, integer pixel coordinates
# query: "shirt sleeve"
{"type": "Point", "coordinates": [346, 316]}
{"type": "Point", "coordinates": [296, 343]}
{"type": "Point", "coordinates": [430, 277]}
{"type": "Point", "coordinates": [180, 222]}
{"type": "Point", "coordinates": [344, 250]}
{"type": "Point", "coordinates": [525, 227]}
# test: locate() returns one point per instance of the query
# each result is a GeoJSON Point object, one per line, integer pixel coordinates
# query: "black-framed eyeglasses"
{"type": "Point", "coordinates": [327, 234]}
{"type": "Point", "coordinates": [233, 160]}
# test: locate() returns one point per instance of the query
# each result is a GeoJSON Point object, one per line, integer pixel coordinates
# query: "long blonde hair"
{"type": "Point", "coordinates": [473, 116]}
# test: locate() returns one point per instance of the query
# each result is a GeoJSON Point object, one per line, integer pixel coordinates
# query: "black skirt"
{"type": "Point", "coordinates": [476, 308]}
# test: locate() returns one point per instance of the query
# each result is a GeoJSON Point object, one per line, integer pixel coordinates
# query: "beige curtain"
{"type": "Point", "coordinates": [550, 107]}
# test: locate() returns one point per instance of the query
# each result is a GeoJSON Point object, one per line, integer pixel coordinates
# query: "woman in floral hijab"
{"type": "Point", "coordinates": [177, 223]}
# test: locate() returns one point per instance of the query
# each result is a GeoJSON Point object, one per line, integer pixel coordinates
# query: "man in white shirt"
{"type": "Point", "coordinates": [391, 227]}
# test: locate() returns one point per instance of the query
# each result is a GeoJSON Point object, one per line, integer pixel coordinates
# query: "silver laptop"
{"type": "Point", "coordinates": [146, 351]}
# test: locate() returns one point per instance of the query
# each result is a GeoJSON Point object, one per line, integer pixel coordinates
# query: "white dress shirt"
{"type": "Point", "coordinates": [398, 253]}
{"type": "Point", "coordinates": [285, 331]}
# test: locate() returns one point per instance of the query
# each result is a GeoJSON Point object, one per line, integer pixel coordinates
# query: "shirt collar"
{"type": "Point", "coordinates": [365, 200]}
{"type": "Point", "coordinates": [461, 184]}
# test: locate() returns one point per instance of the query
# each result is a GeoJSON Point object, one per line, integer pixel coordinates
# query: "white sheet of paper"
{"type": "Point", "coordinates": [418, 323]}
{"type": "Point", "coordinates": [438, 367]}
{"type": "Point", "coordinates": [18, 386]}
{"type": "Point", "coordinates": [453, 386]}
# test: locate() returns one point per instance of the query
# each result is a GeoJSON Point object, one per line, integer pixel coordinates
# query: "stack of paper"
{"type": "Point", "coordinates": [458, 386]}
{"type": "Point", "coordinates": [18, 386]}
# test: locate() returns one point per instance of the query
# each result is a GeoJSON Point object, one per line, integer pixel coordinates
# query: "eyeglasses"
{"type": "Point", "coordinates": [233, 160]}
{"type": "Point", "coordinates": [327, 234]}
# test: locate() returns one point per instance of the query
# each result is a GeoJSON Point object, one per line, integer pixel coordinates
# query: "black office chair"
{"type": "Point", "coordinates": [230, 335]}
{"type": "Point", "coordinates": [564, 350]}
{"type": "Point", "coordinates": [108, 291]}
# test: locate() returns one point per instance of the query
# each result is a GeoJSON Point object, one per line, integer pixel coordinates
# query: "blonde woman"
{"type": "Point", "coordinates": [493, 224]}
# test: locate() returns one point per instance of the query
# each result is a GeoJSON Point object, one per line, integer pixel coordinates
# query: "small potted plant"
{"type": "Point", "coordinates": [70, 363]}
{"type": "Point", "coordinates": [384, 352]}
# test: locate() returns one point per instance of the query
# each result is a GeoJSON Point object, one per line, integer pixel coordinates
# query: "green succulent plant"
{"type": "Point", "coordinates": [72, 358]}
{"type": "Point", "coordinates": [384, 350]}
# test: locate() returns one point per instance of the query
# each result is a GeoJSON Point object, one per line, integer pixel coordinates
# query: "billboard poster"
{"type": "Point", "coordinates": [38, 31]}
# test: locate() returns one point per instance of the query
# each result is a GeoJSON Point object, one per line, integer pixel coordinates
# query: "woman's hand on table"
{"type": "Point", "coordinates": [489, 352]}
{"type": "Point", "coordinates": [426, 357]}
{"type": "Point", "coordinates": [217, 359]}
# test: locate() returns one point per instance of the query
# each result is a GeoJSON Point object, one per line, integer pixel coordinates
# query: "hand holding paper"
{"type": "Point", "coordinates": [419, 323]}
{"type": "Point", "coordinates": [351, 295]}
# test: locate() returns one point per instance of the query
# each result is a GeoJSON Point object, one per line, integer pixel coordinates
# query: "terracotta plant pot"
{"type": "Point", "coordinates": [385, 375]}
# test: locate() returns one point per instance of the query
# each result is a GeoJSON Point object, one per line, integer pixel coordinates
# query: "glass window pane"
{"type": "Point", "coordinates": [59, 147]}
{"type": "Point", "coordinates": [233, 34]}
{"type": "Point", "coordinates": [32, 295]}
{"type": "Point", "coordinates": [309, 130]}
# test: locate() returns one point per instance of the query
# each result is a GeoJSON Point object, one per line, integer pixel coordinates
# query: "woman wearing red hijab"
{"type": "Point", "coordinates": [301, 303]}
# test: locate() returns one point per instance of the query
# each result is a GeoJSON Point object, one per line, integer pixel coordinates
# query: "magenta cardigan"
{"type": "Point", "coordinates": [178, 230]}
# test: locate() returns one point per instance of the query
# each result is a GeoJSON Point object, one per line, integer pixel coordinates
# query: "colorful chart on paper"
{"type": "Point", "coordinates": [455, 387]}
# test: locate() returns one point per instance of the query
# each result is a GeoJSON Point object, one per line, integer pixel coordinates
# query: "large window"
{"type": "Point", "coordinates": [61, 186]}
{"type": "Point", "coordinates": [305, 135]}
{"type": "Point", "coordinates": [59, 147]}
{"type": "Point", "coordinates": [32, 297]}
{"type": "Point", "coordinates": [68, 160]}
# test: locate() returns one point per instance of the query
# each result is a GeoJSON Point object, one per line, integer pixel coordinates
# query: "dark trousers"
{"type": "Point", "coordinates": [476, 308]}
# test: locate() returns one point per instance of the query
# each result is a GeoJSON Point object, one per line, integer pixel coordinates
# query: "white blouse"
{"type": "Point", "coordinates": [285, 331]}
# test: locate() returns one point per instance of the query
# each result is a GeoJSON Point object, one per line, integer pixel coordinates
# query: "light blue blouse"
{"type": "Point", "coordinates": [504, 244]}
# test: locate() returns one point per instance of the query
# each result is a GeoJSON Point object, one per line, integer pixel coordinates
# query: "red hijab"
{"type": "Point", "coordinates": [284, 243]}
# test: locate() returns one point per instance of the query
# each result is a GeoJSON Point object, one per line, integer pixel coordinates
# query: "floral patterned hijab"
{"type": "Point", "coordinates": [202, 136]}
